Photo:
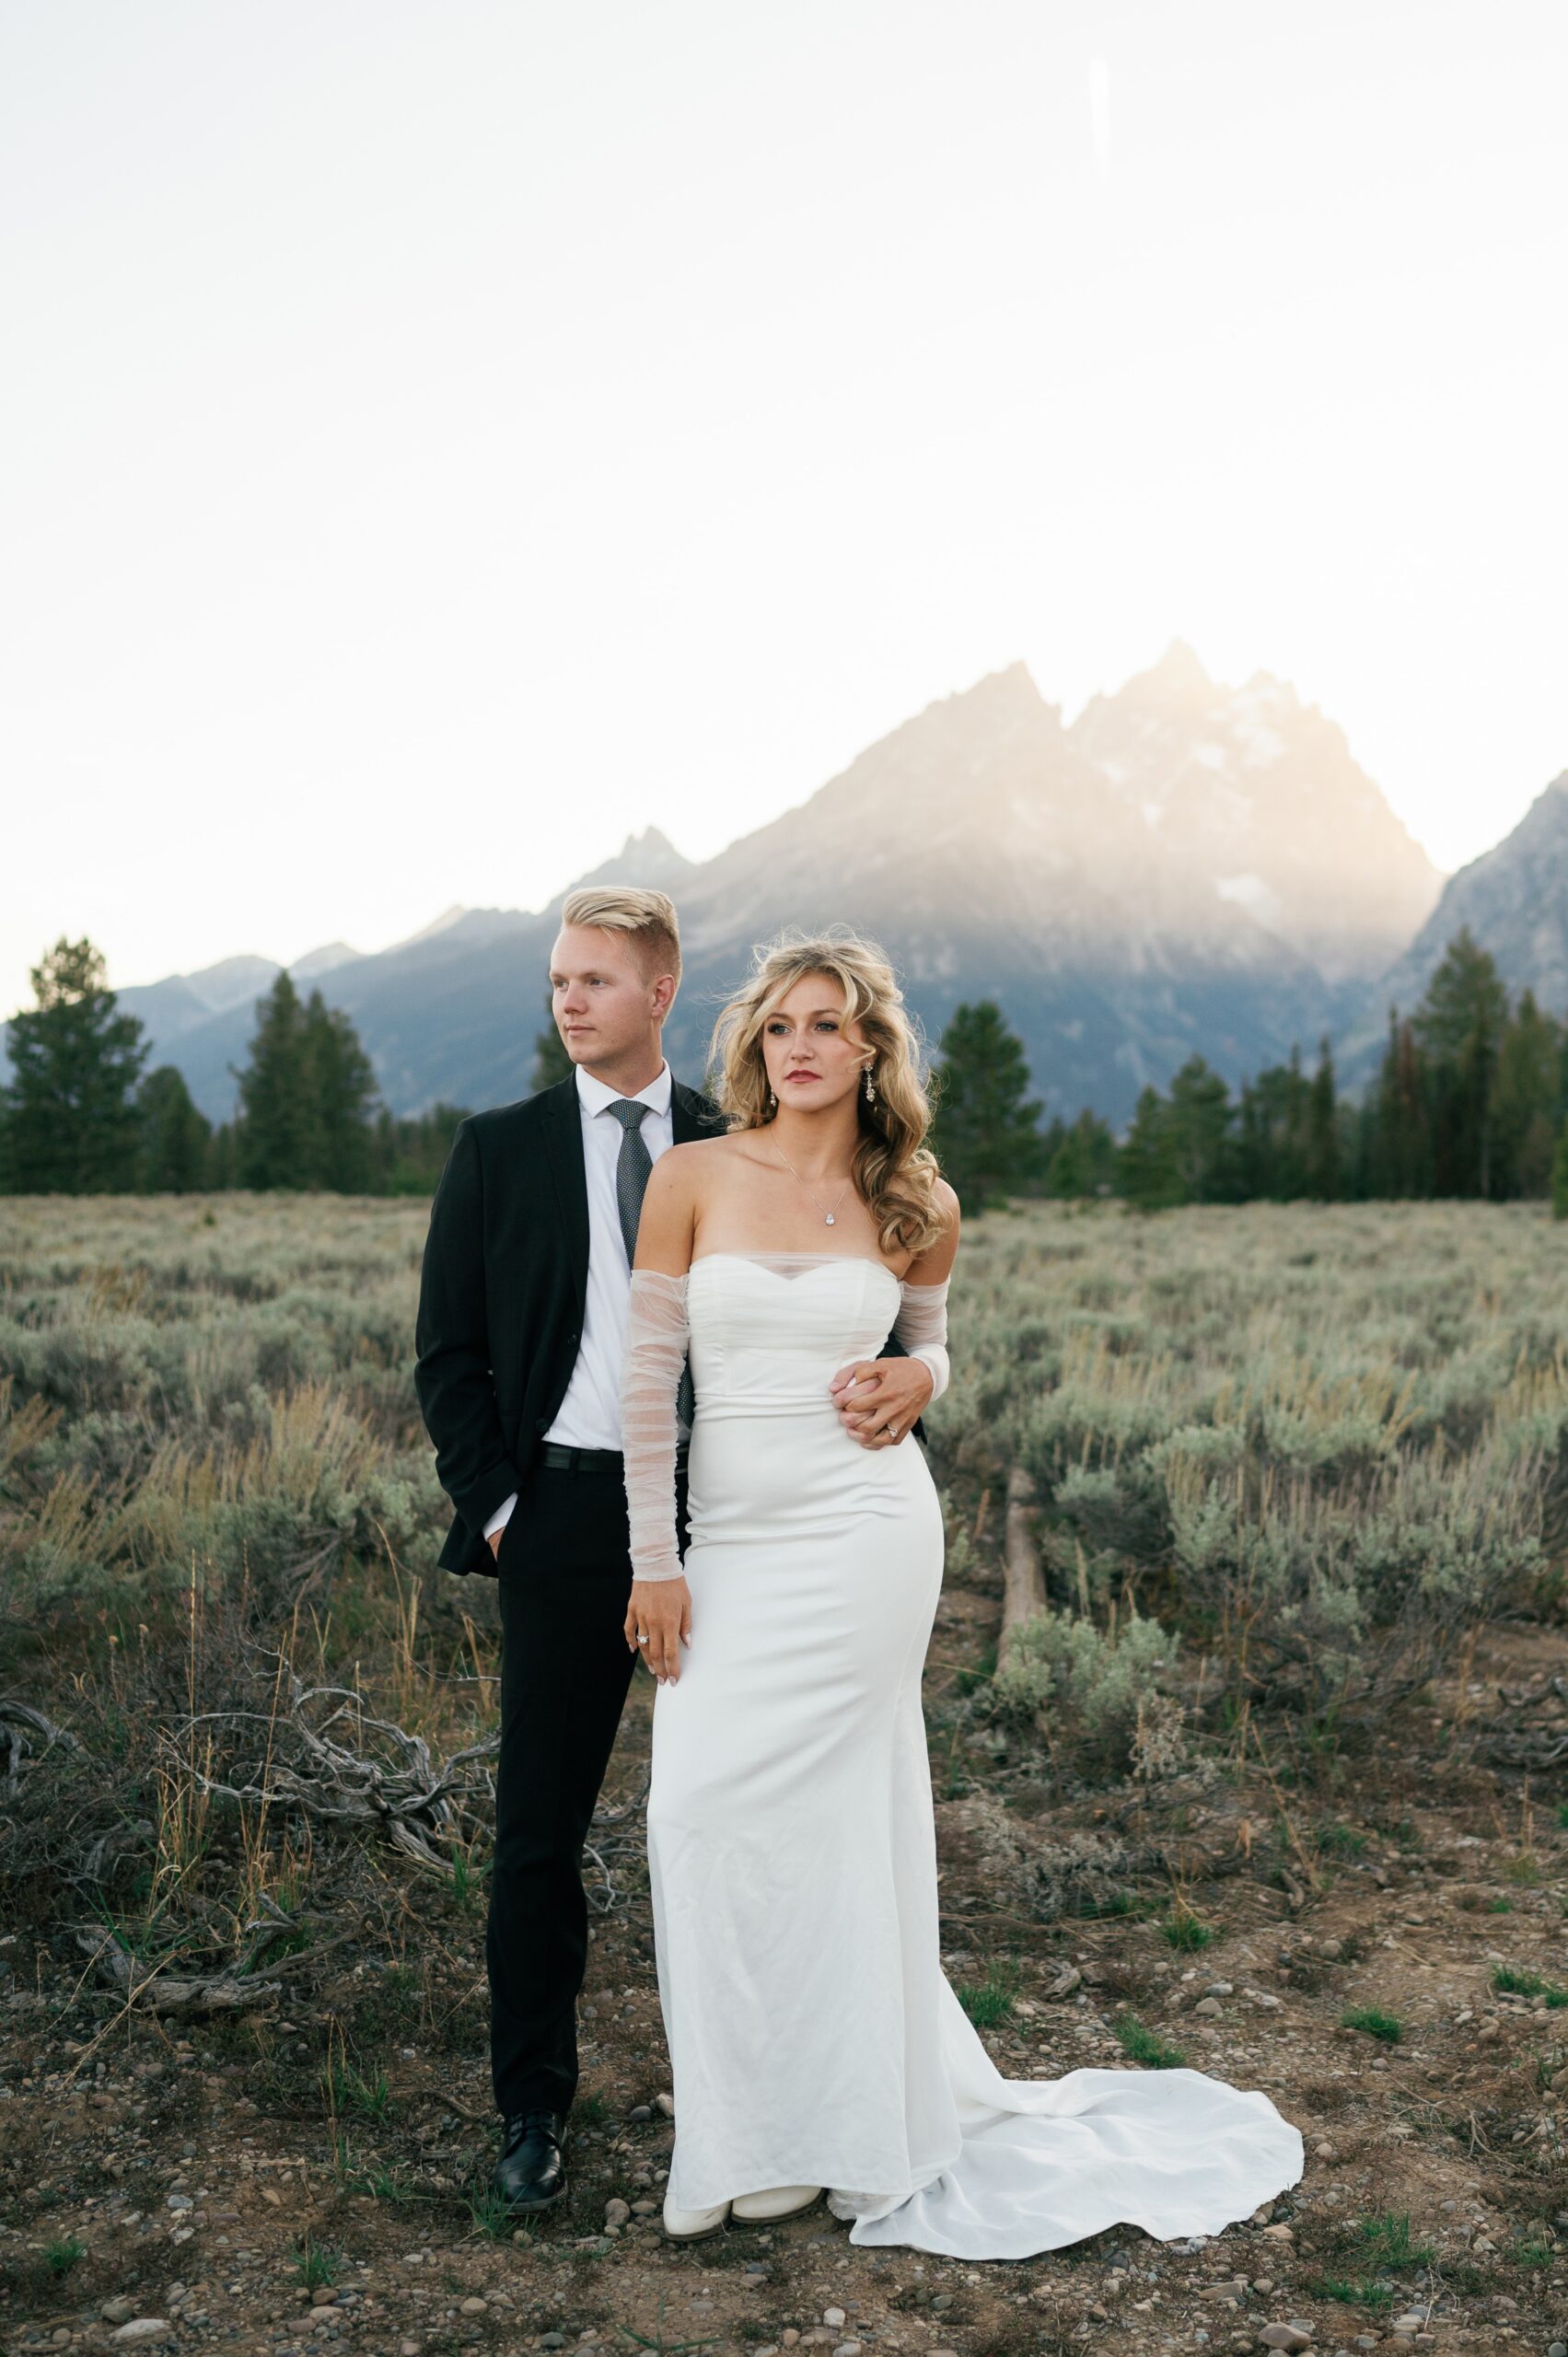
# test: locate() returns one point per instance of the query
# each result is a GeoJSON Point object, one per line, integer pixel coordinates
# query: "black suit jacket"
{"type": "Point", "coordinates": [502, 1290]}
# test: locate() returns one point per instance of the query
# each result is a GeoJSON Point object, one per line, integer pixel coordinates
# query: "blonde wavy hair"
{"type": "Point", "coordinates": [894, 1170]}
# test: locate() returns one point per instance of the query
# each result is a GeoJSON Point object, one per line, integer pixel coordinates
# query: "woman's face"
{"type": "Point", "coordinates": [814, 1053]}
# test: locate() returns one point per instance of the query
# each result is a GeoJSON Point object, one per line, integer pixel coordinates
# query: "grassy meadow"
{"type": "Point", "coordinates": [1276, 1784]}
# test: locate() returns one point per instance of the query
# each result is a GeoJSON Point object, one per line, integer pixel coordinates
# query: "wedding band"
{"type": "Point", "coordinates": [642, 1636]}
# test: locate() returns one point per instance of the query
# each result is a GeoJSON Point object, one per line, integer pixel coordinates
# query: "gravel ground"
{"type": "Point", "coordinates": [312, 2171]}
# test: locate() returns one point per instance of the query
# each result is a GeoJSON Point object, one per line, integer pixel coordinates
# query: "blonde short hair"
{"type": "Point", "coordinates": [648, 918]}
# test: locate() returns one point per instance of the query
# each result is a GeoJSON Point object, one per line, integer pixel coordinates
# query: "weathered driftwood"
{"type": "Point", "coordinates": [321, 1752]}
{"type": "Point", "coordinates": [1023, 1591]}
{"type": "Point", "coordinates": [163, 1991]}
{"type": "Point", "coordinates": [19, 1722]}
{"type": "Point", "coordinates": [1513, 1743]}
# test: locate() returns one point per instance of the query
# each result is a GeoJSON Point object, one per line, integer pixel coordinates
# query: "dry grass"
{"type": "Point", "coordinates": [1316, 1452]}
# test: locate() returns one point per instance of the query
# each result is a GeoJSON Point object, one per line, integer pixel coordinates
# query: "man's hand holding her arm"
{"type": "Point", "coordinates": [879, 1400]}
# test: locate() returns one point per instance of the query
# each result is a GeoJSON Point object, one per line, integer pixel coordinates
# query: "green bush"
{"type": "Point", "coordinates": [1323, 1442]}
{"type": "Point", "coordinates": [1094, 1692]}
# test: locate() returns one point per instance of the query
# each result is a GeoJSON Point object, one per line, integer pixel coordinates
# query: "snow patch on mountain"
{"type": "Point", "coordinates": [1252, 893]}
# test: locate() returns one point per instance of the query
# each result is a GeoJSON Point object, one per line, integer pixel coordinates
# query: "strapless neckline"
{"type": "Point", "coordinates": [819, 1260]}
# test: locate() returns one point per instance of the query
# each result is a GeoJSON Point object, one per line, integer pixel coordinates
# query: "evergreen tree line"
{"type": "Point", "coordinates": [81, 1116]}
{"type": "Point", "coordinates": [1470, 1099]}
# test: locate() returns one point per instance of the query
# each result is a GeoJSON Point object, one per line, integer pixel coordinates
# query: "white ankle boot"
{"type": "Point", "coordinates": [691, 2226]}
{"type": "Point", "coordinates": [773, 2203]}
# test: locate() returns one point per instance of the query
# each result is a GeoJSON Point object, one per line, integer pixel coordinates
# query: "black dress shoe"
{"type": "Point", "coordinates": [529, 2174]}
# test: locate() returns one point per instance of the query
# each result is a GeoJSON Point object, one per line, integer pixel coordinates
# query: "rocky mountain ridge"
{"type": "Point", "coordinates": [1187, 865]}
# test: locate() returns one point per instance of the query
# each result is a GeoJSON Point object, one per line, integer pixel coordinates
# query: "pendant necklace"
{"type": "Point", "coordinates": [827, 1216]}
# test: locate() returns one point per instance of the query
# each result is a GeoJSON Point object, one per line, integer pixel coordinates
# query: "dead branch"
{"type": "Point", "coordinates": [306, 1956]}
{"type": "Point", "coordinates": [1023, 1592]}
{"type": "Point", "coordinates": [1509, 1744]}
{"type": "Point", "coordinates": [1519, 1697]}
{"type": "Point", "coordinates": [162, 1992]}
{"type": "Point", "coordinates": [18, 1720]}
{"type": "Point", "coordinates": [1516, 1747]}
{"type": "Point", "coordinates": [321, 1753]}
{"type": "Point", "coordinates": [434, 2099]}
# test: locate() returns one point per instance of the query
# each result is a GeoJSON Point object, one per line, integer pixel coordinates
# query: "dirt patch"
{"type": "Point", "coordinates": [313, 2171]}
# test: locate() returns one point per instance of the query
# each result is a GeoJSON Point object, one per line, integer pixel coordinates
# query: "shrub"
{"type": "Point", "coordinates": [1092, 1694]}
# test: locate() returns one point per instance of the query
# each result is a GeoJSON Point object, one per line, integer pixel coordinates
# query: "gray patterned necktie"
{"type": "Point", "coordinates": [632, 1167]}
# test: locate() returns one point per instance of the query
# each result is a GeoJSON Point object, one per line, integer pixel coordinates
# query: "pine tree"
{"type": "Point", "coordinates": [1399, 1157]}
{"type": "Point", "coordinates": [1201, 1117]}
{"type": "Point", "coordinates": [276, 1118]}
{"type": "Point", "coordinates": [223, 1156]}
{"type": "Point", "coordinates": [550, 1061]}
{"type": "Point", "coordinates": [1269, 1155]}
{"type": "Point", "coordinates": [340, 1090]}
{"type": "Point", "coordinates": [1322, 1155]}
{"type": "Point", "coordinates": [1080, 1161]}
{"type": "Point", "coordinates": [1459, 1026]}
{"type": "Point", "coordinates": [306, 1097]}
{"type": "Point", "coordinates": [412, 1150]}
{"type": "Point", "coordinates": [1527, 1110]}
{"type": "Point", "coordinates": [1053, 1138]}
{"type": "Point", "coordinates": [1560, 1177]}
{"type": "Point", "coordinates": [1147, 1172]}
{"type": "Point", "coordinates": [71, 1124]}
{"type": "Point", "coordinates": [1254, 1158]}
{"type": "Point", "coordinates": [986, 1130]}
{"type": "Point", "coordinates": [1291, 1179]}
{"type": "Point", "coordinates": [175, 1136]}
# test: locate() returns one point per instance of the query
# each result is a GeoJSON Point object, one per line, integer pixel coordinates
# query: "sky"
{"type": "Point", "coordinates": [440, 441]}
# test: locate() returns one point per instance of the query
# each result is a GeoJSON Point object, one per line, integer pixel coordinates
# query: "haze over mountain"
{"type": "Point", "coordinates": [1257, 797]}
{"type": "Point", "coordinates": [1188, 866]}
{"type": "Point", "coordinates": [1515, 900]}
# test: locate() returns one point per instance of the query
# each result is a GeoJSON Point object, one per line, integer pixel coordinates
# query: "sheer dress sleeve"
{"type": "Point", "coordinates": [657, 1334]}
{"type": "Point", "coordinates": [921, 1327]}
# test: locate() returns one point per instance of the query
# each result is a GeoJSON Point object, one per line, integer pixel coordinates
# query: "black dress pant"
{"type": "Point", "coordinates": [564, 1576]}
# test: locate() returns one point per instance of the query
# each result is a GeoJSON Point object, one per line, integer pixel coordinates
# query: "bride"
{"type": "Point", "coordinates": [814, 2042]}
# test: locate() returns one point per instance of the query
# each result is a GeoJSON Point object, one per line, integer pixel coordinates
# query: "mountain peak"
{"type": "Point", "coordinates": [233, 981]}
{"type": "Point", "coordinates": [443, 924]}
{"type": "Point", "coordinates": [1014, 680]}
{"type": "Point", "coordinates": [1179, 668]}
{"type": "Point", "coordinates": [1008, 697]}
{"type": "Point", "coordinates": [1190, 861]}
{"type": "Point", "coordinates": [1512, 898]}
{"type": "Point", "coordinates": [652, 844]}
{"type": "Point", "coordinates": [322, 960]}
{"type": "Point", "coordinates": [648, 859]}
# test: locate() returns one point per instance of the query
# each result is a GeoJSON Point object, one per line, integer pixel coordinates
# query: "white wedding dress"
{"type": "Point", "coordinates": [814, 2038]}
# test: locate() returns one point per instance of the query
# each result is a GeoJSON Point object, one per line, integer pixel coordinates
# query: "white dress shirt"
{"type": "Point", "coordinates": [589, 1415]}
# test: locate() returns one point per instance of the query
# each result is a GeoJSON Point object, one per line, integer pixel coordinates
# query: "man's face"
{"type": "Point", "coordinates": [602, 1002]}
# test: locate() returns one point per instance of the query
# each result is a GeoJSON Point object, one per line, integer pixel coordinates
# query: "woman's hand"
{"type": "Point", "coordinates": [661, 1610]}
{"type": "Point", "coordinates": [878, 1399]}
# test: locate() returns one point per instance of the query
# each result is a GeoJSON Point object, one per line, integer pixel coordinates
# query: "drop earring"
{"type": "Point", "coordinates": [870, 1091]}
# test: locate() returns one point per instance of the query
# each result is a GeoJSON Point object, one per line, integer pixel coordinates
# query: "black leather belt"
{"type": "Point", "coordinates": [562, 1459]}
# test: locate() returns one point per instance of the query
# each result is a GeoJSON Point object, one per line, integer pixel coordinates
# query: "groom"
{"type": "Point", "coordinates": [519, 1337]}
